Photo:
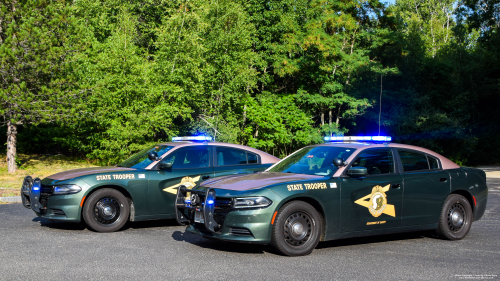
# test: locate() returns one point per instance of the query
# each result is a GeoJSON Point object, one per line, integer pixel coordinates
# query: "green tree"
{"type": "Point", "coordinates": [327, 51]}
{"type": "Point", "coordinates": [37, 45]}
{"type": "Point", "coordinates": [128, 102]}
{"type": "Point", "coordinates": [205, 49]}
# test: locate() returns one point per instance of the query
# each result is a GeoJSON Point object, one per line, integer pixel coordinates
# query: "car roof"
{"type": "Point", "coordinates": [445, 162]}
{"type": "Point", "coordinates": [265, 158]}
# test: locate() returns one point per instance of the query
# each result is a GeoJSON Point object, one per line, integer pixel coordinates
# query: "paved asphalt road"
{"type": "Point", "coordinates": [33, 248]}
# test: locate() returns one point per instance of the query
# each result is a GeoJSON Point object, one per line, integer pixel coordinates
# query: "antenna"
{"type": "Point", "coordinates": [380, 109]}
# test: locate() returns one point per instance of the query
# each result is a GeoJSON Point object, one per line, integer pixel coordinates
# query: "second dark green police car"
{"type": "Point", "coordinates": [356, 187]}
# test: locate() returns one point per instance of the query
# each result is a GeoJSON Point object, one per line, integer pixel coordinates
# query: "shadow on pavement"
{"type": "Point", "coordinates": [377, 239]}
{"type": "Point", "coordinates": [219, 245]}
{"type": "Point", "coordinates": [83, 226]}
{"type": "Point", "coordinates": [60, 225]}
{"type": "Point", "coordinates": [260, 249]}
{"type": "Point", "coordinates": [150, 224]}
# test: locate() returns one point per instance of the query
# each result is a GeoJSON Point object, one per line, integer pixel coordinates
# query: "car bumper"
{"type": "Point", "coordinates": [220, 220]}
{"type": "Point", "coordinates": [250, 226]}
{"type": "Point", "coordinates": [62, 208]}
{"type": "Point", "coordinates": [480, 208]}
{"type": "Point", "coordinates": [41, 200]}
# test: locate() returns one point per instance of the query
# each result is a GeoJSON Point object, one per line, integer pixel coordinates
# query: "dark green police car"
{"type": "Point", "coordinates": [356, 187]}
{"type": "Point", "coordinates": [143, 187]}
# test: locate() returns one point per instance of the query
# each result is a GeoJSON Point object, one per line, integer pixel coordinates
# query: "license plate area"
{"type": "Point", "coordinates": [198, 217]}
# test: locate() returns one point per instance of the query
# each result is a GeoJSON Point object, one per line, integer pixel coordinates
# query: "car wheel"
{"type": "Point", "coordinates": [456, 218]}
{"type": "Point", "coordinates": [106, 210]}
{"type": "Point", "coordinates": [297, 229]}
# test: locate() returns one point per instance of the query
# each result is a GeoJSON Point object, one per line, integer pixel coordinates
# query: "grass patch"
{"type": "Point", "coordinates": [8, 192]}
{"type": "Point", "coordinates": [35, 166]}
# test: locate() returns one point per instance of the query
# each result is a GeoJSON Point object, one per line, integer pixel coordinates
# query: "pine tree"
{"type": "Point", "coordinates": [36, 47]}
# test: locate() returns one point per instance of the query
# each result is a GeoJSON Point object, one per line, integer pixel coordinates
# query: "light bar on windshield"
{"type": "Point", "coordinates": [192, 138]}
{"type": "Point", "coordinates": [358, 138]}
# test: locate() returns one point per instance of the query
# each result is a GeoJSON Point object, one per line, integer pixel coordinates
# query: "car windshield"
{"type": "Point", "coordinates": [140, 160]}
{"type": "Point", "coordinates": [315, 160]}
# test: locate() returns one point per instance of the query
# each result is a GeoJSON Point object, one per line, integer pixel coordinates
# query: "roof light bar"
{"type": "Point", "coordinates": [358, 138]}
{"type": "Point", "coordinates": [192, 138]}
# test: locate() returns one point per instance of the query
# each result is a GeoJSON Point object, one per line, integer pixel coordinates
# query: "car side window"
{"type": "Point", "coordinates": [229, 156]}
{"type": "Point", "coordinates": [413, 161]}
{"type": "Point", "coordinates": [252, 158]}
{"type": "Point", "coordinates": [376, 161]}
{"type": "Point", "coordinates": [433, 162]}
{"type": "Point", "coordinates": [190, 157]}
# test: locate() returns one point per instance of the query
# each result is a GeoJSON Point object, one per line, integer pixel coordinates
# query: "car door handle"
{"type": "Point", "coordinates": [443, 179]}
{"type": "Point", "coordinates": [397, 185]}
{"type": "Point", "coordinates": [205, 177]}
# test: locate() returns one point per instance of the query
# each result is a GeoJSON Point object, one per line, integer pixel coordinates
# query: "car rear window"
{"type": "Point", "coordinates": [433, 162]}
{"type": "Point", "coordinates": [230, 156]}
{"type": "Point", "coordinates": [413, 161]}
{"type": "Point", "coordinates": [252, 158]}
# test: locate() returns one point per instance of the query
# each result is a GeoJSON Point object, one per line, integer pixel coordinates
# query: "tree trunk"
{"type": "Point", "coordinates": [330, 117]}
{"type": "Point", "coordinates": [11, 147]}
{"type": "Point", "coordinates": [338, 117]}
{"type": "Point", "coordinates": [244, 117]}
{"type": "Point", "coordinates": [322, 118]}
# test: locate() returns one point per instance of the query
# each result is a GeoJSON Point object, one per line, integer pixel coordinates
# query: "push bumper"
{"type": "Point", "coordinates": [244, 226]}
{"type": "Point", "coordinates": [56, 208]}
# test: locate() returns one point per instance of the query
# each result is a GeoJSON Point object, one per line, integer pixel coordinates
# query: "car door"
{"type": "Point", "coordinates": [374, 201]}
{"type": "Point", "coordinates": [229, 161]}
{"type": "Point", "coordinates": [191, 165]}
{"type": "Point", "coordinates": [426, 187]}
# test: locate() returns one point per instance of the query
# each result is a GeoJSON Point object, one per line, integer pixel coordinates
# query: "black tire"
{"type": "Point", "coordinates": [297, 229]}
{"type": "Point", "coordinates": [456, 218]}
{"type": "Point", "coordinates": [106, 210]}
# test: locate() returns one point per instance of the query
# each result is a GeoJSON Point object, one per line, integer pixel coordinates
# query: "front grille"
{"type": "Point", "coordinates": [220, 203]}
{"type": "Point", "coordinates": [223, 203]}
{"type": "Point", "coordinates": [46, 189]}
{"type": "Point", "coordinates": [220, 217]}
{"type": "Point", "coordinates": [222, 207]}
{"type": "Point", "coordinates": [240, 231]}
{"type": "Point", "coordinates": [45, 193]}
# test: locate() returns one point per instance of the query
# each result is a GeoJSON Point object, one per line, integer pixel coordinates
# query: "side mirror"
{"type": "Point", "coordinates": [165, 166]}
{"type": "Point", "coordinates": [357, 172]}
{"type": "Point", "coordinates": [153, 156]}
{"type": "Point", "coordinates": [339, 162]}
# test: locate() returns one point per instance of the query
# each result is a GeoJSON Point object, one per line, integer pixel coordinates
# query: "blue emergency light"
{"type": "Point", "coordinates": [193, 138]}
{"type": "Point", "coordinates": [358, 138]}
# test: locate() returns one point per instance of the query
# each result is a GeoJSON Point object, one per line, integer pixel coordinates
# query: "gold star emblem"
{"type": "Point", "coordinates": [189, 182]}
{"type": "Point", "coordinates": [376, 202]}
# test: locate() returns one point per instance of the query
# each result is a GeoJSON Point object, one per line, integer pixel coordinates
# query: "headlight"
{"type": "Point", "coordinates": [66, 189]}
{"type": "Point", "coordinates": [252, 202]}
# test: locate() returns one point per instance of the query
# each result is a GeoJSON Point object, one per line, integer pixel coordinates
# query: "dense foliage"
{"type": "Point", "coordinates": [102, 79]}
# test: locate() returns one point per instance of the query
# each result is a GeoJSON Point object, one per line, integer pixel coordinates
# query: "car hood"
{"type": "Point", "coordinates": [254, 181]}
{"type": "Point", "coordinates": [71, 174]}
